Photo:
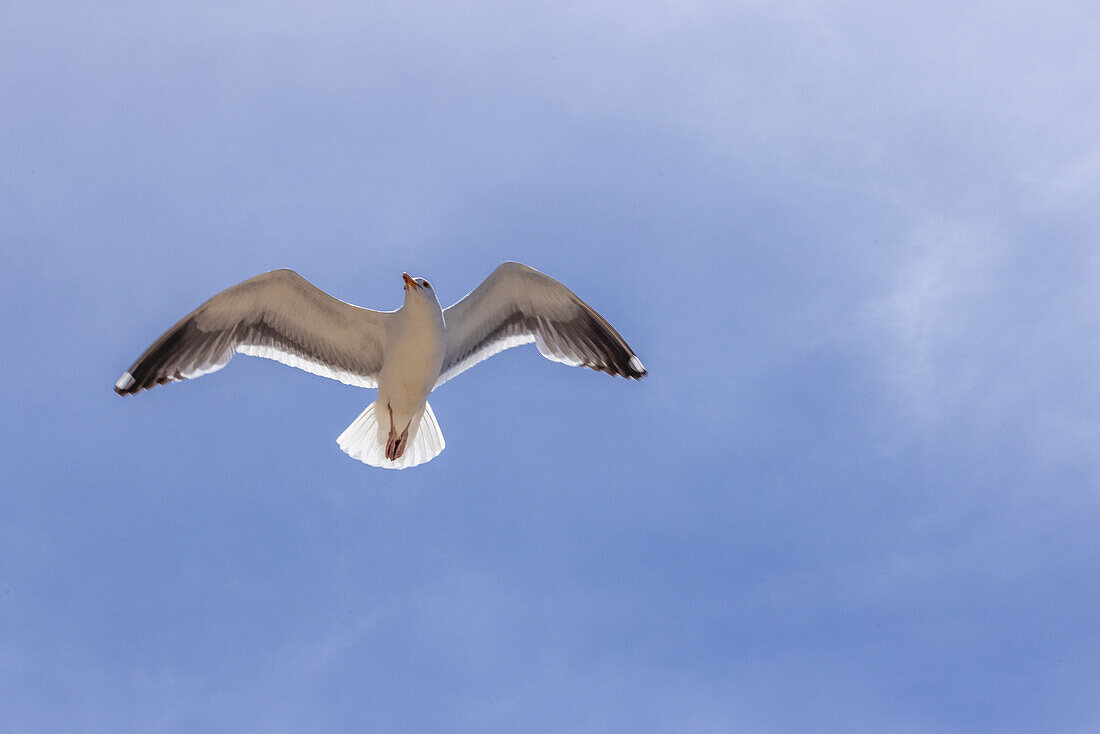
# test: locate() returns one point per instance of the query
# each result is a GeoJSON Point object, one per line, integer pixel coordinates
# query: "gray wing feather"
{"type": "Point", "coordinates": [518, 305]}
{"type": "Point", "coordinates": [278, 315]}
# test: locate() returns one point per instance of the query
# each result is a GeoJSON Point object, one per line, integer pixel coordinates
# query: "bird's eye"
{"type": "Point", "coordinates": [427, 284]}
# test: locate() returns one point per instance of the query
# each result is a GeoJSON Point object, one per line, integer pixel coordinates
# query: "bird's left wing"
{"type": "Point", "coordinates": [278, 315]}
{"type": "Point", "coordinates": [518, 305]}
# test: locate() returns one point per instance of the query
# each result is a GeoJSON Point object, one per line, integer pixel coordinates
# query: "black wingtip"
{"type": "Point", "coordinates": [626, 370]}
{"type": "Point", "coordinates": [126, 385]}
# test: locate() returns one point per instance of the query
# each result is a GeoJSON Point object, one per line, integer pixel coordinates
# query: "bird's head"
{"type": "Point", "coordinates": [417, 287]}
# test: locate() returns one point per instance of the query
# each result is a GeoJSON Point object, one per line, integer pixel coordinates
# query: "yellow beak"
{"type": "Point", "coordinates": [409, 282]}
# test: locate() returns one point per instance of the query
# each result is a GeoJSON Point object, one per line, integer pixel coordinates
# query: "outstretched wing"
{"type": "Point", "coordinates": [278, 315]}
{"type": "Point", "coordinates": [519, 305]}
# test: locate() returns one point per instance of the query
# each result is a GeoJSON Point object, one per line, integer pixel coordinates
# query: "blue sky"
{"type": "Point", "coordinates": [855, 245]}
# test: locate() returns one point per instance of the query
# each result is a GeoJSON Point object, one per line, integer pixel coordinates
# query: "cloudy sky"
{"type": "Point", "coordinates": [855, 243]}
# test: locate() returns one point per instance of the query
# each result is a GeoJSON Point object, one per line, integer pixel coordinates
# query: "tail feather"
{"type": "Point", "coordinates": [365, 440]}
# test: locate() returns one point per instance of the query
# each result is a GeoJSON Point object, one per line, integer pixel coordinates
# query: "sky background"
{"type": "Point", "coordinates": [855, 244]}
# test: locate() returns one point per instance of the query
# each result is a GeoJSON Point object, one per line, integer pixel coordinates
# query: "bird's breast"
{"type": "Point", "coordinates": [414, 355]}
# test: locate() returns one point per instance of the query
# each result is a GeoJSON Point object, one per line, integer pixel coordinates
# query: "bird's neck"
{"type": "Point", "coordinates": [421, 311]}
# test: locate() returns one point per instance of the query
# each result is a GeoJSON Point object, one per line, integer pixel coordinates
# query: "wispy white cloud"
{"type": "Point", "coordinates": [931, 330]}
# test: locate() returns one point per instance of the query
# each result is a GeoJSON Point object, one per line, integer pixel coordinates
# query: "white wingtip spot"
{"type": "Point", "coordinates": [125, 381]}
{"type": "Point", "coordinates": [636, 364]}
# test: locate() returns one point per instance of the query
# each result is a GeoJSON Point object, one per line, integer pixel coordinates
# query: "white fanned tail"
{"type": "Point", "coordinates": [365, 440]}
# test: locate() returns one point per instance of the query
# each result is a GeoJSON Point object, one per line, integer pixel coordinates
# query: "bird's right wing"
{"type": "Point", "coordinates": [278, 315]}
{"type": "Point", "coordinates": [518, 305]}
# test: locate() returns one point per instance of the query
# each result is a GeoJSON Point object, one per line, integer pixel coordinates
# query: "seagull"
{"type": "Point", "coordinates": [405, 354]}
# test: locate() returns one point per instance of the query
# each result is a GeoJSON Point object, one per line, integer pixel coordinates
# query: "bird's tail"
{"type": "Point", "coordinates": [365, 439]}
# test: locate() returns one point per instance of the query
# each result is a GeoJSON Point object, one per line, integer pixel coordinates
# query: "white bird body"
{"type": "Point", "coordinates": [414, 354]}
{"type": "Point", "coordinates": [405, 353]}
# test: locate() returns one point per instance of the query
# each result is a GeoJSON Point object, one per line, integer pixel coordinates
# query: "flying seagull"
{"type": "Point", "coordinates": [405, 353]}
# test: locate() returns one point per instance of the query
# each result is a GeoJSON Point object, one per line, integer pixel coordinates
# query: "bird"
{"type": "Point", "coordinates": [405, 354]}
